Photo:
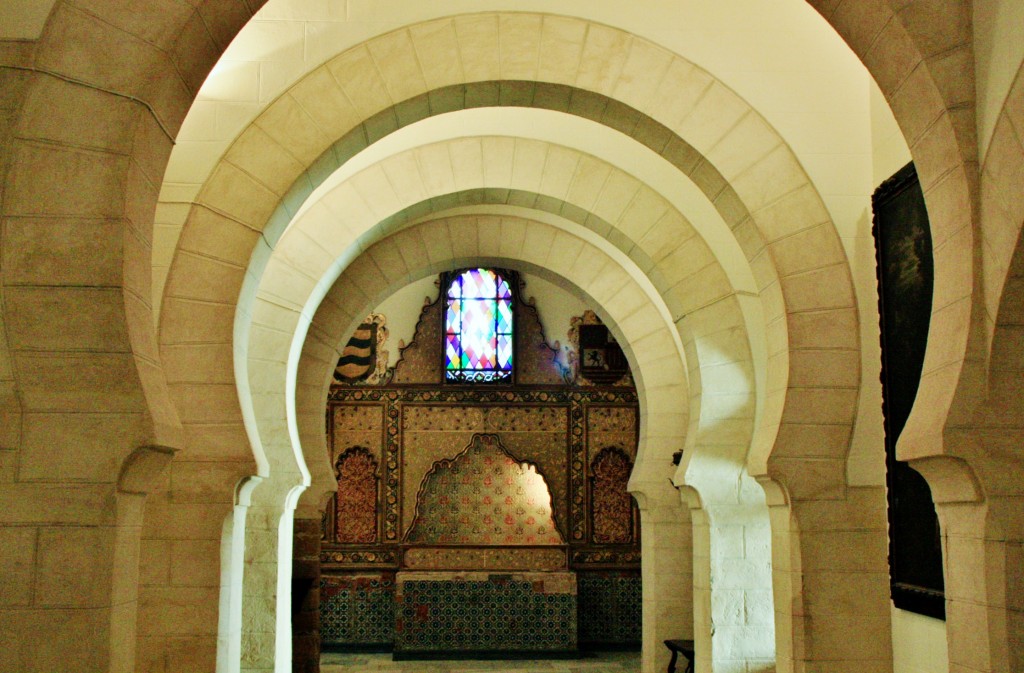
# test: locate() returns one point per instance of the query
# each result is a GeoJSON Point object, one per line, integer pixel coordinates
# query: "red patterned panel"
{"type": "Point", "coordinates": [611, 504]}
{"type": "Point", "coordinates": [356, 519]}
{"type": "Point", "coordinates": [484, 497]}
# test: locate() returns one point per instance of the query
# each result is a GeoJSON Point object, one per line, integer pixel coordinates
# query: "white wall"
{"type": "Point", "coordinates": [918, 643]}
{"type": "Point", "coordinates": [402, 310]}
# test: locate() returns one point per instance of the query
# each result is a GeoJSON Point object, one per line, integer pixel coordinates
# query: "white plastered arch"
{"type": "Point", "coordinates": [321, 234]}
{"type": "Point", "coordinates": [763, 194]}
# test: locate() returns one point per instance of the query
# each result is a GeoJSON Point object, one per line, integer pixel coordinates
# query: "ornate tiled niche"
{"type": "Point", "coordinates": [496, 481]}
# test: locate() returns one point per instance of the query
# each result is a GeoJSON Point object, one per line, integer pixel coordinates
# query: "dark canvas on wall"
{"type": "Point", "coordinates": [905, 278]}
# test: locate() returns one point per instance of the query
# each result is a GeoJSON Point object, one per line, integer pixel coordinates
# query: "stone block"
{"type": "Point", "coordinates": [195, 563]}
{"type": "Point", "coordinates": [91, 447]}
{"type": "Point", "coordinates": [155, 562]}
{"type": "Point", "coordinates": [74, 567]}
{"type": "Point", "coordinates": [178, 611]}
{"type": "Point", "coordinates": [18, 558]}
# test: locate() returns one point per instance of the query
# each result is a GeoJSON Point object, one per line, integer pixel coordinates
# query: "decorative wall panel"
{"type": "Point", "coordinates": [356, 499]}
{"type": "Point", "coordinates": [412, 420]}
{"type": "Point", "coordinates": [483, 496]}
{"type": "Point", "coordinates": [611, 505]}
{"type": "Point", "coordinates": [490, 558]}
{"type": "Point", "coordinates": [357, 611]}
{"type": "Point", "coordinates": [482, 612]}
{"type": "Point", "coordinates": [611, 426]}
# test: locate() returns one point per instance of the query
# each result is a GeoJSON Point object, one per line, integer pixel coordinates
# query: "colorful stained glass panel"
{"type": "Point", "coordinates": [504, 323]}
{"type": "Point", "coordinates": [453, 318]}
{"type": "Point", "coordinates": [479, 283]}
{"type": "Point", "coordinates": [452, 352]}
{"type": "Point", "coordinates": [504, 351]}
{"type": "Point", "coordinates": [478, 326]}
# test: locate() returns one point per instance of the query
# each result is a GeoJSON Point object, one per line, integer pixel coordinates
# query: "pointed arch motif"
{"type": "Point", "coordinates": [356, 500]}
{"type": "Point", "coordinates": [611, 505]}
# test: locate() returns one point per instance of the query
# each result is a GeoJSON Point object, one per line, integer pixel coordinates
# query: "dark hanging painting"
{"type": "Point", "coordinates": [905, 275]}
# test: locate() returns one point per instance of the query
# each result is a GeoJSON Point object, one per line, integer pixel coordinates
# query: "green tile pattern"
{"type": "Point", "coordinates": [493, 615]}
{"type": "Point", "coordinates": [610, 608]}
{"type": "Point", "coordinates": [357, 611]}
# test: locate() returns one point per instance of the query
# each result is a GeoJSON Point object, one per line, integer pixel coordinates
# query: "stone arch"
{"type": "Point", "coordinates": [273, 399]}
{"type": "Point", "coordinates": [926, 77]}
{"type": "Point", "coordinates": [799, 284]}
{"type": "Point", "coordinates": [758, 179]}
{"type": "Point", "coordinates": [664, 422]}
{"type": "Point", "coordinates": [172, 97]}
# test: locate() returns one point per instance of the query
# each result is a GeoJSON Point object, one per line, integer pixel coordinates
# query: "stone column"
{"type": "Point", "coordinates": [830, 578]}
{"type": "Point", "coordinates": [666, 571]}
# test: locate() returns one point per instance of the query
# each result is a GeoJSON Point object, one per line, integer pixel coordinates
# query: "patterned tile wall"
{"type": "Point", "coordinates": [611, 426]}
{"type": "Point", "coordinates": [484, 497]}
{"type": "Point", "coordinates": [358, 425]}
{"type": "Point", "coordinates": [534, 433]}
{"type": "Point", "coordinates": [494, 614]}
{"type": "Point", "coordinates": [610, 608]}
{"type": "Point", "coordinates": [357, 610]}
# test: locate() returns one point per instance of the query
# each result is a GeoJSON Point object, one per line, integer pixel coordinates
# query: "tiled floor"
{"type": "Point", "coordinates": [603, 662]}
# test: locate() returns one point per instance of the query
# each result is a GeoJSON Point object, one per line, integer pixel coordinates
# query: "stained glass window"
{"type": "Point", "coordinates": [478, 327]}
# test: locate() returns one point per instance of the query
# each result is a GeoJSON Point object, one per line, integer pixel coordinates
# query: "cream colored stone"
{"type": "Point", "coordinates": [756, 189]}
{"type": "Point", "coordinates": [293, 128]}
{"type": "Point", "coordinates": [478, 41]}
{"type": "Point", "coordinates": [189, 321]}
{"type": "Point", "coordinates": [560, 49]}
{"type": "Point", "coordinates": [807, 249]}
{"type": "Point", "coordinates": [519, 44]}
{"type": "Point", "coordinates": [498, 165]}
{"type": "Point", "coordinates": [396, 59]}
{"type": "Point", "coordinates": [616, 194]}
{"type": "Point", "coordinates": [717, 112]}
{"type": "Point", "coordinates": [641, 74]}
{"type": "Point", "coordinates": [587, 181]}
{"type": "Point", "coordinates": [559, 166]}
{"type": "Point", "coordinates": [321, 97]}
{"type": "Point", "coordinates": [604, 53]}
{"type": "Point", "coordinates": [467, 162]}
{"type": "Point", "coordinates": [290, 285]}
{"type": "Point", "coordinates": [835, 328]}
{"type": "Point", "coordinates": [823, 288]}
{"type": "Point", "coordinates": [642, 213]}
{"type": "Point", "coordinates": [437, 52]}
{"type": "Point", "coordinates": [204, 279]}
{"type": "Point", "coordinates": [94, 186]}
{"type": "Point", "coordinates": [359, 79]}
{"type": "Point", "coordinates": [235, 194]}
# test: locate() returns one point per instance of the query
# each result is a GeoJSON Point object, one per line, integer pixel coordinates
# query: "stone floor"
{"type": "Point", "coordinates": [602, 662]}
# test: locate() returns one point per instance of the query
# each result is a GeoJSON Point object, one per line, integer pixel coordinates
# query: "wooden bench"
{"type": "Point", "coordinates": [677, 647]}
